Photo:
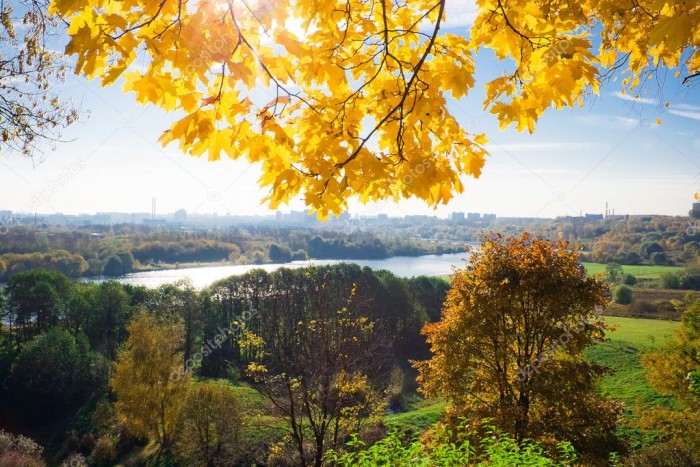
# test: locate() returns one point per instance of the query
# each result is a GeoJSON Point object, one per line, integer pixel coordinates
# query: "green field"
{"type": "Point", "coordinates": [640, 271]}
{"type": "Point", "coordinates": [621, 353]}
{"type": "Point", "coordinates": [643, 271]}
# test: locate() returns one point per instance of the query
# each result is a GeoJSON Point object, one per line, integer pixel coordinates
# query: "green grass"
{"type": "Point", "coordinates": [621, 352]}
{"type": "Point", "coordinates": [640, 272]}
{"type": "Point", "coordinates": [424, 414]}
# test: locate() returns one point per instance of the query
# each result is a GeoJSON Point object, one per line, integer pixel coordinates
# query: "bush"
{"type": "Point", "coordinates": [300, 255]}
{"type": "Point", "coordinates": [19, 451]}
{"type": "Point", "coordinates": [439, 448]}
{"type": "Point", "coordinates": [629, 279]}
{"type": "Point", "coordinates": [104, 452]}
{"type": "Point", "coordinates": [670, 280]}
{"type": "Point", "coordinates": [623, 295]}
{"type": "Point", "coordinates": [669, 454]}
{"type": "Point", "coordinates": [690, 281]}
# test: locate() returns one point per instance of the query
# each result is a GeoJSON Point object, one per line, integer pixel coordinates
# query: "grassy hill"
{"type": "Point", "coordinates": [639, 271]}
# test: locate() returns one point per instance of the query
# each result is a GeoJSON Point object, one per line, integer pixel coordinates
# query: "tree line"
{"type": "Point", "coordinates": [78, 252]}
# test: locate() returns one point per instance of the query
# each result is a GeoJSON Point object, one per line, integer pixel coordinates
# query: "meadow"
{"type": "Point", "coordinates": [643, 271]}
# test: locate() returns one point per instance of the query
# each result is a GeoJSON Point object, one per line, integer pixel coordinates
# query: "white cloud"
{"type": "Point", "coordinates": [459, 13]}
{"type": "Point", "coordinates": [627, 122]}
{"type": "Point", "coordinates": [692, 108]}
{"type": "Point", "coordinates": [695, 115]}
{"type": "Point", "coordinates": [640, 100]}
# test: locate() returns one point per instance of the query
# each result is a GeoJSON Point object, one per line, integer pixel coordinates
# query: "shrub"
{"type": "Point", "coordinates": [629, 279]}
{"type": "Point", "coordinates": [300, 255]}
{"type": "Point", "coordinates": [690, 281]}
{"type": "Point", "coordinates": [668, 454]}
{"type": "Point", "coordinates": [670, 280]}
{"type": "Point", "coordinates": [623, 295]}
{"type": "Point", "coordinates": [439, 448]}
{"type": "Point", "coordinates": [19, 451]}
{"type": "Point", "coordinates": [104, 452]}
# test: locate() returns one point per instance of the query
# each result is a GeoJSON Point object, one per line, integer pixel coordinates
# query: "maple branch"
{"type": "Point", "coordinates": [689, 77]}
{"type": "Point", "coordinates": [406, 93]}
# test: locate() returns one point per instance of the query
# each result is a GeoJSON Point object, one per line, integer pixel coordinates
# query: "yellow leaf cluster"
{"type": "Point", "coordinates": [342, 99]}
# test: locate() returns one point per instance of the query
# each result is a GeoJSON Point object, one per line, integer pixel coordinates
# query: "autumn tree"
{"type": "Point", "coordinates": [149, 397]}
{"type": "Point", "coordinates": [320, 348]}
{"type": "Point", "coordinates": [31, 109]}
{"type": "Point", "coordinates": [212, 427]}
{"type": "Point", "coordinates": [341, 99]}
{"type": "Point", "coordinates": [673, 371]}
{"type": "Point", "coordinates": [510, 343]}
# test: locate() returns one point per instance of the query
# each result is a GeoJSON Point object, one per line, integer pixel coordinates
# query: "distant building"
{"type": "Point", "coordinates": [383, 217]}
{"type": "Point", "coordinates": [594, 217]}
{"type": "Point", "coordinates": [473, 216]}
{"type": "Point", "coordinates": [180, 216]}
{"type": "Point", "coordinates": [457, 217]}
{"type": "Point", "coordinates": [488, 217]}
{"type": "Point", "coordinates": [418, 218]}
{"type": "Point", "coordinates": [295, 218]}
{"type": "Point", "coordinates": [155, 222]}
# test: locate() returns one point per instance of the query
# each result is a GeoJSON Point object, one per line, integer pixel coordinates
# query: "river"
{"type": "Point", "coordinates": [403, 266]}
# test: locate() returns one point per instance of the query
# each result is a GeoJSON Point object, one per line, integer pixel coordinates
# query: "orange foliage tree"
{"type": "Point", "coordinates": [510, 345]}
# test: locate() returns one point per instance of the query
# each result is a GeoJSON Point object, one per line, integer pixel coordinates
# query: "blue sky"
{"type": "Point", "coordinates": [611, 150]}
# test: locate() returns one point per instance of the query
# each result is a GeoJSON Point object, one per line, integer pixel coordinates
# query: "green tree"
{"type": "Point", "coordinates": [113, 266]}
{"type": "Point", "coordinates": [280, 254]}
{"type": "Point", "coordinates": [54, 371]}
{"type": "Point", "coordinates": [110, 313]}
{"type": "Point", "coordinates": [614, 272]}
{"type": "Point", "coordinates": [510, 345]}
{"type": "Point", "coordinates": [212, 430]}
{"type": "Point", "coordinates": [35, 303]}
{"type": "Point", "coordinates": [649, 248]}
{"type": "Point", "coordinates": [622, 295]}
{"type": "Point", "coordinates": [127, 260]}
